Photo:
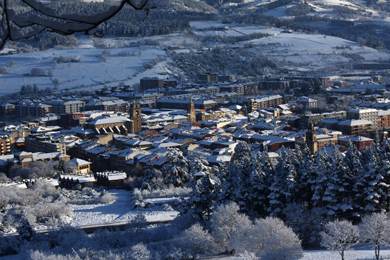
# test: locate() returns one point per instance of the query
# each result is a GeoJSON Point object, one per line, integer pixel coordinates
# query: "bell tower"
{"type": "Point", "coordinates": [135, 112]}
{"type": "Point", "coordinates": [191, 112]}
{"type": "Point", "coordinates": [311, 139]}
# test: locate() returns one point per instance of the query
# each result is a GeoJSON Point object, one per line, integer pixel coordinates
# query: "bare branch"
{"type": "Point", "coordinates": [15, 26]}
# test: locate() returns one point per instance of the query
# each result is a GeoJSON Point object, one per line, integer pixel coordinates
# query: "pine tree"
{"type": "Point", "coordinates": [237, 183]}
{"type": "Point", "coordinates": [203, 197]}
{"type": "Point", "coordinates": [352, 159]}
{"type": "Point", "coordinates": [260, 182]}
{"type": "Point", "coordinates": [305, 179]}
{"type": "Point", "coordinates": [282, 186]}
{"type": "Point", "coordinates": [370, 189]}
{"type": "Point", "coordinates": [337, 195]}
{"type": "Point", "coordinates": [176, 171]}
{"type": "Point", "coordinates": [152, 178]}
{"type": "Point", "coordinates": [322, 167]}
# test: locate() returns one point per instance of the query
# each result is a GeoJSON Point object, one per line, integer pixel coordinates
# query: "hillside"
{"type": "Point", "coordinates": [93, 68]}
{"type": "Point", "coordinates": [332, 36]}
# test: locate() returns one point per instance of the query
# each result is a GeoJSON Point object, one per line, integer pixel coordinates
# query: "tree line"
{"type": "Point", "coordinates": [317, 188]}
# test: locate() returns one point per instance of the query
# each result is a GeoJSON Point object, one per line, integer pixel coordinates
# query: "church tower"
{"type": "Point", "coordinates": [135, 112]}
{"type": "Point", "coordinates": [311, 139]}
{"type": "Point", "coordinates": [191, 112]}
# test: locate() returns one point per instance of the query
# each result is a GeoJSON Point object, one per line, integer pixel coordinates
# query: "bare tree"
{"type": "Point", "coordinates": [27, 18]}
{"type": "Point", "coordinates": [339, 236]}
{"type": "Point", "coordinates": [375, 229]}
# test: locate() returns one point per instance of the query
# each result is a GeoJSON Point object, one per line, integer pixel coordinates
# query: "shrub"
{"type": "Point", "coordinates": [37, 72]}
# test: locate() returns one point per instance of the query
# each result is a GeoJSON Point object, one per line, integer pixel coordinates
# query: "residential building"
{"type": "Point", "coordinates": [356, 127]}
{"type": "Point", "coordinates": [43, 144]}
{"type": "Point", "coordinates": [383, 119]}
{"type": "Point", "coordinates": [369, 114]}
{"type": "Point", "coordinates": [307, 102]}
{"type": "Point", "coordinates": [60, 107]}
{"type": "Point", "coordinates": [151, 83]}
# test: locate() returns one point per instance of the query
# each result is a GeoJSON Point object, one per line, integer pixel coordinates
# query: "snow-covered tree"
{"type": "Point", "coordinates": [137, 224]}
{"type": "Point", "coordinates": [176, 171]}
{"type": "Point", "coordinates": [339, 236]}
{"type": "Point", "coordinates": [370, 187]}
{"type": "Point", "coordinates": [140, 252]}
{"type": "Point", "coordinates": [322, 166]}
{"type": "Point", "coordinates": [305, 179]}
{"type": "Point", "coordinates": [203, 197]}
{"type": "Point", "coordinates": [337, 195]}
{"type": "Point", "coordinates": [25, 231]}
{"type": "Point", "coordinates": [260, 182]}
{"type": "Point", "coordinates": [225, 222]}
{"type": "Point", "coordinates": [375, 229]}
{"type": "Point", "coordinates": [306, 223]}
{"type": "Point", "coordinates": [198, 164]}
{"type": "Point", "coordinates": [195, 240]}
{"type": "Point", "coordinates": [27, 18]}
{"type": "Point", "coordinates": [283, 184]}
{"type": "Point", "coordinates": [237, 182]}
{"type": "Point", "coordinates": [268, 238]}
{"type": "Point", "coordinates": [352, 159]}
{"type": "Point", "coordinates": [152, 178]}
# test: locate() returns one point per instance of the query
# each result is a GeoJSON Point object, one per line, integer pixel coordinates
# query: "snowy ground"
{"type": "Point", "coordinates": [297, 51]}
{"type": "Point", "coordinates": [328, 255]}
{"type": "Point", "coordinates": [121, 211]}
{"type": "Point", "coordinates": [117, 212]}
{"type": "Point", "coordinates": [90, 72]}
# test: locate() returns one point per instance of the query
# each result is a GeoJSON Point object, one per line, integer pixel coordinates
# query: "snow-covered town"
{"type": "Point", "coordinates": [195, 129]}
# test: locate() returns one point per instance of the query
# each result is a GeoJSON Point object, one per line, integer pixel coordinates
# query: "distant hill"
{"type": "Point", "coordinates": [184, 5]}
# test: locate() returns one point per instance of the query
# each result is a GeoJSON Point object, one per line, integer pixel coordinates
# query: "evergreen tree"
{"type": "Point", "coordinates": [237, 184]}
{"type": "Point", "coordinates": [259, 188]}
{"type": "Point", "coordinates": [322, 167]}
{"type": "Point", "coordinates": [203, 197]}
{"type": "Point", "coordinates": [384, 153]}
{"type": "Point", "coordinates": [370, 189]}
{"type": "Point", "coordinates": [176, 171]}
{"type": "Point", "coordinates": [198, 165]}
{"type": "Point", "coordinates": [283, 184]}
{"type": "Point", "coordinates": [352, 159]}
{"type": "Point", "coordinates": [305, 179]}
{"type": "Point", "coordinates": [152, 178]}
{"type": "Point", "coordinates": [337, 196]}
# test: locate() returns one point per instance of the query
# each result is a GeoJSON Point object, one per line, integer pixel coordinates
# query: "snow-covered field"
{"type": "Point", "coordinates": [91, 71]}
{"type": "Point", "coordinates": [296, 50]}
{"type": "Point", "coordinates": [349, 255]}
{"type": "Point", "coordinates": [118, 212]}
{"type": "Point", "coordinates": [312, 52]}
{"type": "Point", "coordinates": [329, 255]}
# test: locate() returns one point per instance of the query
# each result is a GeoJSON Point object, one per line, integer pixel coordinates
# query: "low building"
{"type": "Point", "coordinates": [44, 144]}
{"type": "Point", "coordinates": [72, 180]}
{"type": "Point", "coordinates": [307, 102]}
{"type": "Point", "coordinates": [360, 142]}
{"type": "Point", "coordinates": [82, 166]}
{"type": "Point", "coordinates": [113, 179]}
{"type": "Point", "coordinates": [356, 127]}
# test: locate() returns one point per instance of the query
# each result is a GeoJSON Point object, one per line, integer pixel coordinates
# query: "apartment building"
{"type": "Point", "coordinates": [44, 144]}
{"type": "Point", "coordinates": [66, 107]}
{"type": "Point", "coordinates": [369, 114]}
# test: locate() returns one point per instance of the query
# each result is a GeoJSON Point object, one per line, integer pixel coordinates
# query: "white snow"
{"type": "Point", "coordinates": [117, 212]}
{"type": "Point", "coordinates": [90, 71]}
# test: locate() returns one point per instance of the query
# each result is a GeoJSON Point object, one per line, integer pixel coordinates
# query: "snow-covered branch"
{"type": "Point", "coordinates": [18, 25]}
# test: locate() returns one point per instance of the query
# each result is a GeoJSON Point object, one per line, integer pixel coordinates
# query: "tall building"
{"type": "Point", "coordinates": [136, 118]}
{"type": "Point", "coordinates": [60, 107]}
{"type": "Point", "coordinates": [369, 114]}
{"type": "Point", "coordinates": [191, 112]}
{"type": "Point", "coordinates": [311, 139]}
